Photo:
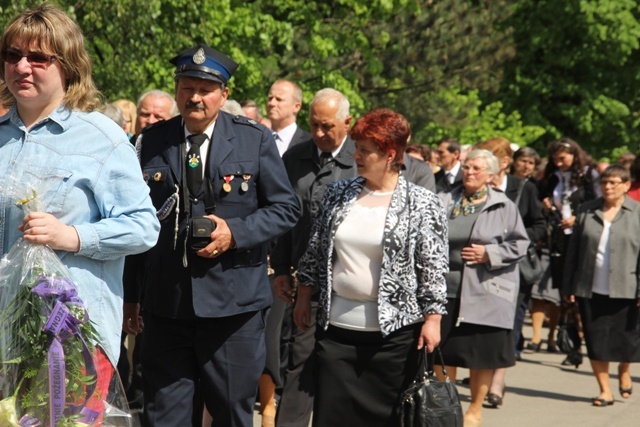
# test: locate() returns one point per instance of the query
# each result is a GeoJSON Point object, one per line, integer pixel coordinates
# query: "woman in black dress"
{"type": "Point", "coordinates": [601, 273]}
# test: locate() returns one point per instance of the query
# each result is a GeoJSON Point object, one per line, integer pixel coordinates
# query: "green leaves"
{"type": "Point", "coordinates": [549, 67]}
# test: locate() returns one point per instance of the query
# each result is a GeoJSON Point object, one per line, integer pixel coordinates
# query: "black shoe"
{"type": "Point", "coordinates": [573, 359]}
{"type": "Point", "coordinates": [465, 381]}
{"type": "Point", "coordinates": [534, 346]}
{"type": "Point", "coordinates": [494, 400]}
{"type": "Point", "coordinates": [552, 348]}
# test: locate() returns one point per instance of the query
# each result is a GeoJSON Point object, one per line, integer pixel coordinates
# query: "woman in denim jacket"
{"type": "Point", "coordinates": [95, 205]}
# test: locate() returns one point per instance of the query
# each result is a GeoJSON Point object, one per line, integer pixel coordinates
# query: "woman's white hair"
{"type": "Point", "coordinates": [493, 166]}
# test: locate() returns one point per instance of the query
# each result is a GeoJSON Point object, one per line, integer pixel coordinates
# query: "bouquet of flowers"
{"type": "Point", "coordinates": [48, 373]}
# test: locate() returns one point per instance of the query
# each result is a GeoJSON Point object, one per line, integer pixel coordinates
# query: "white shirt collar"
{"type": "Point", "coordinates": [204, 148]}
{"type": "Point", "coordinates": [454, 170]}
{"type": "Point", "coordinates": [285, 135]}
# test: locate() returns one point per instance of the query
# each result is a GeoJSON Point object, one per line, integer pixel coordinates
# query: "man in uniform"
{"type": "Point", "coordinates": [222, 195]}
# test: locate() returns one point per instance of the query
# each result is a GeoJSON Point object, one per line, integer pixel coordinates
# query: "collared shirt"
{"type": "Point", "coordinates": [335, 152]}
{"type": "Point", "coordinates": [285, 135]}
{"type": "Point", "coordinates": [86, 174]}
{"type": "Point", "coordinates": [204, 148]}
{"type": "Point", "coordinates": [453, 172]}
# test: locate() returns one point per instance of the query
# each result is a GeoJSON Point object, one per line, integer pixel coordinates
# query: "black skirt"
{"type": "Point", "coordinates": [611, 328]}
{"type": "Point", "coordinates": [360, 375]}
{"type": "Point", "coordinates": [475, 346]}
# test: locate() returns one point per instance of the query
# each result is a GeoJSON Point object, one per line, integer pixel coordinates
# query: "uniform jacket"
{"type": "Point", "coordinates": [624, 240]}
{"type": "Point", "coordinates": [236, 281]}
{"type": "Point", "coordinates": [489, 291]}
{"type": "Point", "coordinates": [415, 253]}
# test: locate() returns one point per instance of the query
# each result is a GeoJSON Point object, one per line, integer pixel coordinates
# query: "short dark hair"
{"type": "Point", "coordinates": [453, 144]}
{"type": "Point", "coordinates": [616, 171]}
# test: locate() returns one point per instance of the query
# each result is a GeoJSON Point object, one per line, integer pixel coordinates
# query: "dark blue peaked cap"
{"type": "Point", "coordinates": [204, 62]}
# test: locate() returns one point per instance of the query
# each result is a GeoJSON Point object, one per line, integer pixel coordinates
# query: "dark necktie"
{"type": "Point", "coordinates": [194, 163]}
{"type": "Point", "coordinates": [325, 158]}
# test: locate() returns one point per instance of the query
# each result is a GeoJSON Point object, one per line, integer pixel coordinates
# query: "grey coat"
{"type": "Point", "coordinates": [489, 291]}
{"type": "Point", "coordinates": [624, 241]}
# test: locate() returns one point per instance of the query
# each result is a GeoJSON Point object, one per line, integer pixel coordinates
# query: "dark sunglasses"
{"type": "Point", "coordinates": [34, 58]}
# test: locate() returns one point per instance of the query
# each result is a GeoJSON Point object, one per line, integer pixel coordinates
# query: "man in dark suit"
{"type": "Point", "coordinates": [206, 290]}
{"type": "Point", "coordinates": [312, 166]}
{"type": "Point", "coordinates": [450, 174]}
{"type": "Point", "coordinates": [283, 103]}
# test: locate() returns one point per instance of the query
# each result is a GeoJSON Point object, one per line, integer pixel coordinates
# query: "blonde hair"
{"type": "Point", "coordinates": [500, 147]}
{"type": "Point", "coordinates": [129, 109]}
{"type": "Point", "coordinates": [50, 30]}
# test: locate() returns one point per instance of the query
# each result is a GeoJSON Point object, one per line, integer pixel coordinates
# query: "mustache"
{"type": "Point", "coordinates": [196, 105]}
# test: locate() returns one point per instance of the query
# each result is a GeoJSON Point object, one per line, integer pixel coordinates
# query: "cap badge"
{"type": "Point", "coordinates": [199, 57]}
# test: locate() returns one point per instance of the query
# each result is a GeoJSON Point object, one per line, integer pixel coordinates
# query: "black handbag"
{"type": "Point", "coordinates": [429, 402]}
{"type": "Point", "coordinates": [531, 267]}
{"type": "Point", "coordinates": [568, 338]}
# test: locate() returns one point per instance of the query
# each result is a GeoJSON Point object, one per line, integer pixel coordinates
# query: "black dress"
{"type": "Point", "coordinates": [611, 328]}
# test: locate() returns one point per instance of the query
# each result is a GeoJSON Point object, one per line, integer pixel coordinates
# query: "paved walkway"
{"type": "Point", "coordinates": [542, 393]}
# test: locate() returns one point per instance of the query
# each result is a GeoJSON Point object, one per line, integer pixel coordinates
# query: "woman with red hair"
{"type": "Point", "coordinates": [378, 255]}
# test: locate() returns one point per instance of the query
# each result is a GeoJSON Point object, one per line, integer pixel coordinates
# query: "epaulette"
{"type": "Point", "coordinates": [245, 121]}
{"type": "Point", "coordinates": [154, 125]}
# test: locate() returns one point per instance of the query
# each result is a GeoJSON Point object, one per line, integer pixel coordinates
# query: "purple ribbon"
{"type": "Point", "coordinates": [27, 421]}
{"type": "Point", "coordinates": [63, 325]}
{"type": "Point", "coordinates": [56, 381]}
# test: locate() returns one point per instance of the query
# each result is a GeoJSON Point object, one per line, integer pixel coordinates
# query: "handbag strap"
{"type": "Point", "coordinates": [520, 188]}
{"type": "Point", "coordinates": [427, 368]}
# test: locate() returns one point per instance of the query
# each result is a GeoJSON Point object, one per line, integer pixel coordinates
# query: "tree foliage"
{"type": "Point", "coordinates": [531, 70]}
{"type": "Point", "coordinates": [575, 70]}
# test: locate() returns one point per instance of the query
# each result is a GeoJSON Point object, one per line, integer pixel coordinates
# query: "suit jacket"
{"type": "Point", "coordinates": [624, 241]}
{"type": "Point", "coordinates": [309, 183]}
{"type": "Point", "coordinates": [299, 137]}
{"type": "Point", "coordinates": [418, 172]}
{"type": "Point", "coordinates": [442, 183]}
{"type": "Point", "coordinates": [236, 281]}
{"type": "Point", "coordinates": [529, 207]}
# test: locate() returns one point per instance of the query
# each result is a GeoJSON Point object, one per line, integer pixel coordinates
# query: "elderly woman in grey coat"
{"type": "Point", "coordinates": [487, 238]}
{"type": "Point", "coordinates": [602, 272]}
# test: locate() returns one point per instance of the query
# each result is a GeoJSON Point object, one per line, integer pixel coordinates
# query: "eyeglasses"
{"type": "Point", "coordinates": [473, 169]}
{"type": "Point", "coordinates": [611, 183]}
{"type": "Point", "coordinates": [33, 58]}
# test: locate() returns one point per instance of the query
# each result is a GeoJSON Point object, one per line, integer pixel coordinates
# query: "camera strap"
{"type": "Point", "coordinates": [209, 200]}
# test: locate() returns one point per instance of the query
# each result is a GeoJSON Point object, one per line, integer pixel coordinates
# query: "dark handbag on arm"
{"type": "Point", "coordinates": [568, 337]}
{"type": "Point", "coordinates": [531, 270]}
{"type": "Point", "coordinates": [429, 402]}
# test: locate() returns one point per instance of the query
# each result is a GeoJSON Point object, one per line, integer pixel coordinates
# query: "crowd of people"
{"type": "Point", "coordinates": [249, 260]}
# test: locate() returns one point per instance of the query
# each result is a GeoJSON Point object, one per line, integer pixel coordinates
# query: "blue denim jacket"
{"type": "Point", "coordinates": [88, 176]}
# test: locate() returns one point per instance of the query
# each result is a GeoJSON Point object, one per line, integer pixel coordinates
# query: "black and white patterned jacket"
{"type": "Point", "coordinates": [415, 256]}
